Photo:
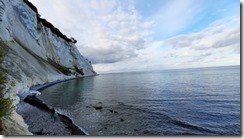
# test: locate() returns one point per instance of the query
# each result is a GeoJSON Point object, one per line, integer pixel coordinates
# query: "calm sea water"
{"type": "Point", "coordinates": [204, 101]}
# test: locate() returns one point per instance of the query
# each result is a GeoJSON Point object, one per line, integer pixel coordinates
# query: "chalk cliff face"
{"type": "Point", "coordinates": [35, 54]}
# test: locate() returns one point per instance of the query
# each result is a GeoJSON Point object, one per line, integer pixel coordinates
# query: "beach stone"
{"type": "Point", "coordinates": [111, 111]}
{"type": "Point", "coordinates": [98, 106]}
{"type": "Point", "coordinates": [39, 118]}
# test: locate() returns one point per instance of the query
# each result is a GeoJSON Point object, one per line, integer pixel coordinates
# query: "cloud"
{"type": "Point", "coordinates": [175, 16]}
{"type": "Point", "coordinates": [120, 35]}
{"type": "Point", "coordinates": [107, 31]}
{"type": "Point", "coordinates": [219, 42]}
{"type": "Point", "coordinates": [103, 26]}
{"type": "Point", "coordinates": [223, 33]}
{"type": "Point", "coordinates": [115, 37]}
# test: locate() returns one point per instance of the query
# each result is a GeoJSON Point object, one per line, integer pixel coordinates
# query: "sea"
{"type": "Point", "coordinates": [199, 101]}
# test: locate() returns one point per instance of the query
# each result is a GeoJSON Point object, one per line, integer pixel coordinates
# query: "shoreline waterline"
{"type": "Point", "coordinates": [188, 103]}
{"type": "Point", "coordinates": [36, 90]}
{"type": "Point", "coordinates": [178, 102]}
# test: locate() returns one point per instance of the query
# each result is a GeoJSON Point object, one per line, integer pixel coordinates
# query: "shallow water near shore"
{"type": "Point", "coordinates": [203, 101]}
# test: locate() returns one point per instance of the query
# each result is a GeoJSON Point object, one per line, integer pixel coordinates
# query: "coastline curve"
{"type": "Point", "coordinates": [29, 98]}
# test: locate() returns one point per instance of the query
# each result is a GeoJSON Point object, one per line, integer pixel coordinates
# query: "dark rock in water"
{"type": "Point", "coordinates": [122, 120]}
{"type": "Point", "coordinates": [135, 130]}
{"type": "Point", "coordinates": [98, 106]}
{"type": "Point", "coordinates": [33, 100]}
{"type": "Point", "coordinates": [111, 111]}
{"type": "Point", "coordinates": [115, 112]}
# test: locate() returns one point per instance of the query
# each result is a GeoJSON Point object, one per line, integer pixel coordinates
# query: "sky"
{"type": "Point", "coordinates": [142, 35]}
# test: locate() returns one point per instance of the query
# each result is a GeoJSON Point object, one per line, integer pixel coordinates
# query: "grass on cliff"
{"type": "Point", "coordinates": [5, 103]}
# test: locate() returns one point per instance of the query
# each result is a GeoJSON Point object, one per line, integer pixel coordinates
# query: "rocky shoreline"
{"type": "Point", "coordinates": [38, 115]}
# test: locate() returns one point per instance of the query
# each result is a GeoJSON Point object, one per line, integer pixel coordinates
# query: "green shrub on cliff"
{"type": "Point", "coordinates": [5, 103]}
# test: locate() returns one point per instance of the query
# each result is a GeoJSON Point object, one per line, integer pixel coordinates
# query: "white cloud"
{"type": "Point", "coordinates": [223, 33]}
{"type": "Point", "coordinates": [107, 31]}
{"type": "Point", "coordinates": [148, 24]}
{"type": "Point", "coordinates": [217, 45]}
{"type": "Point", "coordinates": [115, 37]}
{"type": "Point", "coordinates": [176, 15]}
{"type": "Point", "coordinates": [220, 42]}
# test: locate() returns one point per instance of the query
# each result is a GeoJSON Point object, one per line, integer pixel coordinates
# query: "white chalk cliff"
{"type": "Point", "coordinates": [35, 54]}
